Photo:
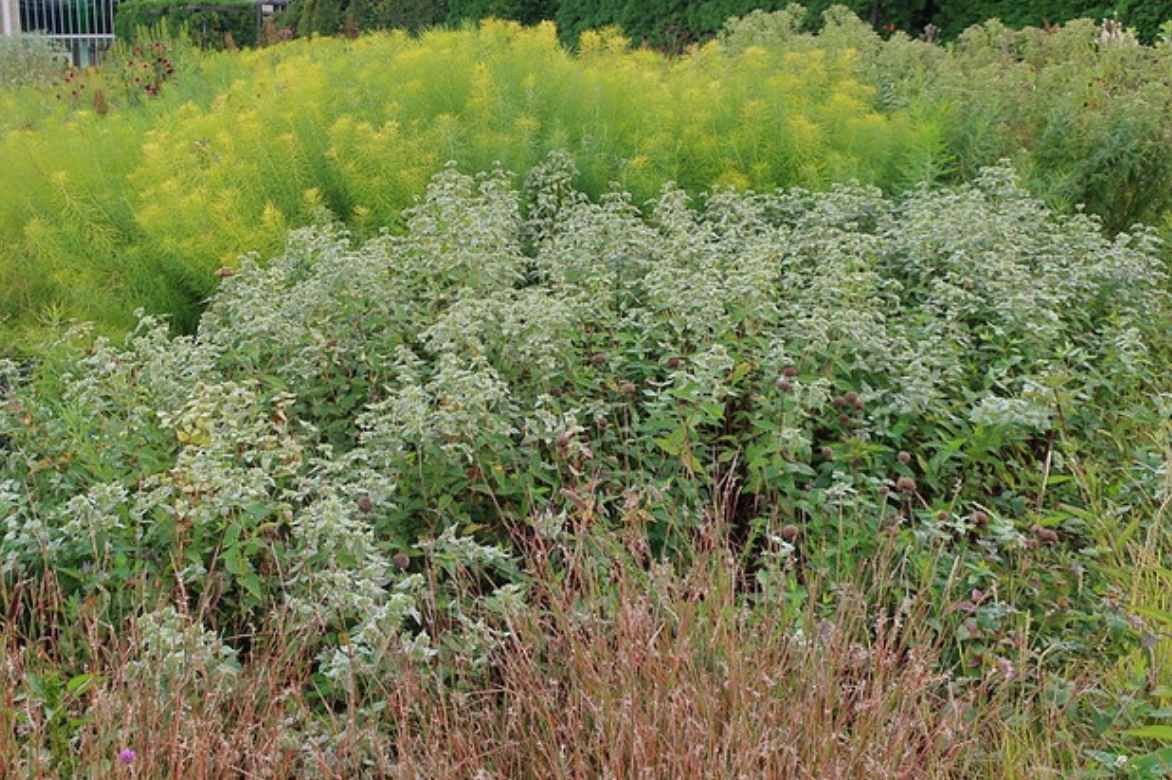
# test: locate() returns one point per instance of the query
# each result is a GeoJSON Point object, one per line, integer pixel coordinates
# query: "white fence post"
{"type": "Point", "coordinates": [9, 17]}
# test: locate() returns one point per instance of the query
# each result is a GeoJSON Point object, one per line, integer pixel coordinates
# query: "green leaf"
{"type": "Point", "coordinates": [673, 443]}
{"type": "Point", "coordinates": [79, 684]}
{"type": "Point", "coordinates": [1155, 731]}
{"type": "Point", "coordinates": [1157, 761]}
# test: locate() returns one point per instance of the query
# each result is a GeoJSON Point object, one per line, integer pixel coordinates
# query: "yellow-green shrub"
{"type": "Point", "coordinates": [165, 194]}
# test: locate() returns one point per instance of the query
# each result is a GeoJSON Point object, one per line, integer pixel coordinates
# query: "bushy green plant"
{"type": "Point", "coordinates": [1081, 108]}
{"type": "Point", "coordinates": [30, 59]}
{"type": "Point", "coordinates": [839, 367]}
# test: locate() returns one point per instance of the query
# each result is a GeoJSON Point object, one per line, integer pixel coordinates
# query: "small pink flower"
{"type": "Point", "coordinates": [127, 756]}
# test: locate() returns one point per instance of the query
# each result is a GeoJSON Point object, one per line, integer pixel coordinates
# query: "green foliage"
{"type": "Point", "coordinates": [524, 11]}
{"type": "Point", "coordinates": [331, 17]}
{"type": "Point", "coordinates": [142, 206]}
{"type": "Point", "coordinates": [30, 60]}
{"type": "Point", "coordinates": [238, 147]}
{"type": "Point", "coordinates": [1082, 109]}
{"type": "Point", "coordinates": [1145, 16]}
{"type": "Point", "coordinates": [940, 370]}
{"type": "Point", "coordinates": [210, 24]}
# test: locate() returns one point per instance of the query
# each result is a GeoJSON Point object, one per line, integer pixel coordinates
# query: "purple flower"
{"type": "Point", "coordinates": [127, 756]}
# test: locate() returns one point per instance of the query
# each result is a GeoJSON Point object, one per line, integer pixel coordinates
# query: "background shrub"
{"type": "Point", "coordinates": [212, 24]}
{"type": "Point", "coordinates": [332, 17]}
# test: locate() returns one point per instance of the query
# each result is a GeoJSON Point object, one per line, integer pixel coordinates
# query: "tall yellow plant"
{"type": "Point", "coordinates": [364, 123]}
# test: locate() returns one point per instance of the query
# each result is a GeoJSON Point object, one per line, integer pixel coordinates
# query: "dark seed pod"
{"type": "Point", "coordinates": [905, 485]}
{"type": "Point", "coordinates": [941, 517]}
{"type": "Point", "coordinates": [628, 389]}
{"type": "Point", "coordinates": [826, 453]}
{"type": "Point", "coordinates": [784, 385]}
{"type": "Point", "coordinates": [904, 457]}
{"type": "Point", "coordinates": [674, 362]}
{"type": "Point", "coordinates": [556, 392]}
{"type": "Point", "coordinates": [365, 504]}
{"type": "Point", "coordinates": [852, 398]}
{"type": "Point", "coordinates": [598, 358]}
{"type": "Point", "coordinates": [600, 423]}
{"type": "Point", "coordinates": [790, 533]}
{"type": "Point", "coordinates": [401, 561]}
{"type": "Point", "coordinates": [844, 420]}
{"type": "Point", "coordinates": [1045, 535]}
{"type": "Point", "coordinates": [980, 518]}
{"type": "Point", "coordinates": [789, 372]}
{"type": "Point", "coordinates": [564, 439]}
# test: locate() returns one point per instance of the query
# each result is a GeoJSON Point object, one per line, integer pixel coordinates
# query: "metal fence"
{"type": "Point", "coordinates": [85, 27]}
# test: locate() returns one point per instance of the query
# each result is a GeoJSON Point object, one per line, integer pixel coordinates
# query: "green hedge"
{"type": "Point", "coordinates": [663, 24]}
{"type": "Point", "coordinates": [670, 24]}
{"type": "Point", "coordinates": [331, 17]}
{"type": "Point", "coordinates": [208, 23]}
{"type": "Point", "coordinates": [1146, 16]}
{"type": "Point", "coordinates": [525, 11]}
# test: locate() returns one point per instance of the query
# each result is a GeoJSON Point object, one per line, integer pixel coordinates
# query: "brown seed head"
{"type": "Point", "coordinates": [365, 504]}
{"type": "Point", "coordinates": [853, 399]}
{"type": "Point", "coordinates": [783, 384]}
{"type": "Point", "coordinates": [905, 485]}
{"type": "Point", "coordinates": [789, 372]}
{"type": "Point", "coordinates": [904, 457]}
{"type": "Point", "coordinates": [674, 362]}
{"type": "Point", "coordinates": [790, 532]}
{"type": "Point", "coordinates": [1045, 535]}
{"type": "Point", "coordinates": [980, 518]}
{"type": "Point", "coordinates": [401, 560]}
{"type": "Point", "coordinates": [628, 389]}
{"type": "Point", "coordinates": [827, 453]}
{"type": "Point", "coordinates": [598, 358]}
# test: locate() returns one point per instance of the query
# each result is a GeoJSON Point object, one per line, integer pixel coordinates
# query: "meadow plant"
{"type": "Point", "coordinates": [141, 205]}
{"type": "Point", "coordinates": [904, 363]}
{"type": "Point", "coordinates": [30, 60]}
{"type": "Point", "coordinates": [374, 455]}
{"type": "Point", "coordinates": [127, 202]}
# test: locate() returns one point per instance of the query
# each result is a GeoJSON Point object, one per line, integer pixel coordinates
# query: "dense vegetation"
{"type": "Point", "coordinates": [831, 373]}
{"type": "Point", "coordinates": [463, 406]}
{"type": "Point", "coordinates": [139, 203]}
{"type": "Point", "coordinates": [675, 24]}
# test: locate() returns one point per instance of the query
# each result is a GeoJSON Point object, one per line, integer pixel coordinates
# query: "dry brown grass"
{"type": "Point", "coordinates": [617, 670]}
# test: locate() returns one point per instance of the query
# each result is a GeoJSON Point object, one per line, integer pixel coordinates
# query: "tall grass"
{"type": "Point", "coordinates": [618, 670]}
